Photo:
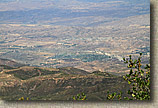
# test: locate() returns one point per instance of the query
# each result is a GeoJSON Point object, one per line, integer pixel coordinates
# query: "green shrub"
{"type": "Point", "coordinates": [139, 80]}
{"type": "Point", "coordinates": [80, 97]}
{"type": "Point", "coordinates": [22, 98]}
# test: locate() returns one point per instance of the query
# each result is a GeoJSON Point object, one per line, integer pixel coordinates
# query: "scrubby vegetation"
{"type": "Point", "coordinates": [37, 83]}
{"type": "Point", "coordinates": [138, 79]}
{"type": "Point", "coordinates": [22, 98]}
{"type": "Point", "coordinates": [80, 97]}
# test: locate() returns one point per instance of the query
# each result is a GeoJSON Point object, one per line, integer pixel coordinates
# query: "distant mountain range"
{"type": "Point", "coordinates": [95, 1]}
{"type": "Point", "coordinates": [46, 11]}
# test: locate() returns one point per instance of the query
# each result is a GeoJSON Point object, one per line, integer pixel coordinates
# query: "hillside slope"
{"type": "Point", "coordinates": [38, 83]}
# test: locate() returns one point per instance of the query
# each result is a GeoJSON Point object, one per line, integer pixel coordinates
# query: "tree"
{"type": "Point", "coordinates": [139, 80]}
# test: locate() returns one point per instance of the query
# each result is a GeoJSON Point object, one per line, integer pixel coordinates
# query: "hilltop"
{"type": "Point", "coordinates": [39, 83]}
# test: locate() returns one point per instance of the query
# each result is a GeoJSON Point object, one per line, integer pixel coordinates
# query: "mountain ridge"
{"type": "Point", "coordinates": [56, 84]}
